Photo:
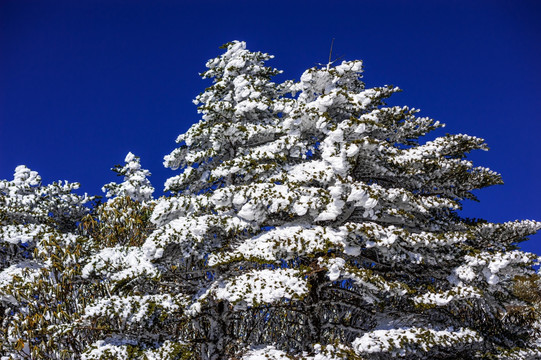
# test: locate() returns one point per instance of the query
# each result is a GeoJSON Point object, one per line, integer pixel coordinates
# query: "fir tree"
{"type": "Point", "coordinates": [320, 224]}
{"type": "Point", "coordinates": [136, 186]}
{"type": "Point", "coordinates": [132, 314]}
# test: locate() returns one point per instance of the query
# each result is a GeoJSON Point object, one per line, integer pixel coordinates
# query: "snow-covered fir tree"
{"type": "Point", "coordinates": [320, 224]}
{"type": "Point", "coordinates": [317, 226]}
{"type": "Point", "coordinates": [308, 221]}
{"type": "Point", "coordinates": [135, 185]}
{"type": "Point", "coordinates": [124, 218]}
{"type": "Point", "coordinates": [132, 316]}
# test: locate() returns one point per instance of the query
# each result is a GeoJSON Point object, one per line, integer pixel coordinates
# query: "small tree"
{"type": "Point", "coordinates": [124, 218]}
{"type": "Point", "coordinates": [136, 185]}
{"type": "Point", "coordinates": [132, 312]}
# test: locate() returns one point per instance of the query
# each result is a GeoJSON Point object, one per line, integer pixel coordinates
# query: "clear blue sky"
{"type": "Point", "coordinates": [84, 82]}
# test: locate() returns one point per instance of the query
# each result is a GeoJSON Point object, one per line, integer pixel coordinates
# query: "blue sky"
{"type": "Point", "coordinates": [84, 82]}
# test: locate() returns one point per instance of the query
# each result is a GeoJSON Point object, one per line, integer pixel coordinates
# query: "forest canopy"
{"type": "Point", "coordinates": [306, 220]}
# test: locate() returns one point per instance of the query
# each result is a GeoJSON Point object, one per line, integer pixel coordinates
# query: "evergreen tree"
{"type": "Point", "coordinates": [135, 185]}
{"type": "Point", "coordinates": [124, 218]}
{"type": "Point", "coordinates": [241, 107]}
{"type": "Point", "coordinates": [320, 224]}
{"type": "Point", "coordinates": [132, 313]}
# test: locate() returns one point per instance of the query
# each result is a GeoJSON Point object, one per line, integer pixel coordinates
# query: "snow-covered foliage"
{"type": "Point", "coordinates": [24, 200]}
{"type": "Point", "coordinates": [128, 314]}
{"type": "Point", "coordinates": [135, 185]}
{"type": "Point", "coordinates": [40, 257]}
{"type": "Point", "coordinates": [307, 221]}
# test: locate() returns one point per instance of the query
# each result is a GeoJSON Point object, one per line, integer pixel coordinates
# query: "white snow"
{"type": "Point", "coordinates": [407, 340]}
{"type": "Point", "coordinates": [263, 286]}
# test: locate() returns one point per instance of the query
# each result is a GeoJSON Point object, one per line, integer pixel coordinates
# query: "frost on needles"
{"type": "Point", "coordinates": [306, 221]}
